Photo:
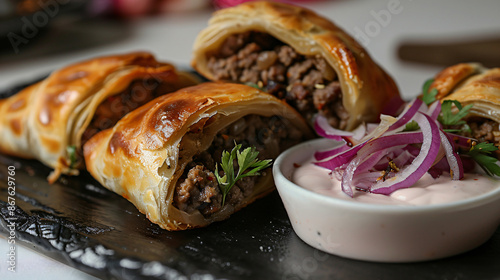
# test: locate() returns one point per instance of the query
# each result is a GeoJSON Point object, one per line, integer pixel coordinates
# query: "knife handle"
{"type": "Point", "coordinates": [486, 52]}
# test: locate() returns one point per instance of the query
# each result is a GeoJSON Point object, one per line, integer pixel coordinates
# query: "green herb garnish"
{"type": "Point", "coordinates": [254, 85]}
{"type": "Point", "coordinates": [465, 128]}
{"type": "Point", "coordinates": [246, 160]}
{"type": "Point", "coordinates": [71, 150]}
{"type": "Point", "coordinates": [429, 96]}
{"type": "Point", "coordinates": [447, 117]}
{"type": "Point", "coordinates": [481, 153]}
{"type": "Point", "coordinates": [411, 126]}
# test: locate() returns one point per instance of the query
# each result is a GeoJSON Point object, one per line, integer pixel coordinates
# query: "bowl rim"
{"type": "Point", "coordinates": [285, 184]}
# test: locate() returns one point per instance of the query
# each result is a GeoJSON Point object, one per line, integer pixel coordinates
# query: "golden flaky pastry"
{"type": "Point", "coordinates": [296, 55]}
{"type": "Point", "coordinates": [49, 120]}
{"type": "Point", "coordinates": [471, 83]}
{"type": "Point", "coordinates": [162, 156]}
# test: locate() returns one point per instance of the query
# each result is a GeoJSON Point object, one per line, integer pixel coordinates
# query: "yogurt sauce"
{"type": "Point", "coordinates": [426, 191]}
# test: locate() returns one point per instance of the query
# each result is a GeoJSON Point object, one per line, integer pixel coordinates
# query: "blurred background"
{"type": "Point", "coordinates": [412, 40]}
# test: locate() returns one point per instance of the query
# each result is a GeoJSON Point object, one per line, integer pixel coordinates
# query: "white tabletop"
{"type": "Point", "coordinates": [170, 38]}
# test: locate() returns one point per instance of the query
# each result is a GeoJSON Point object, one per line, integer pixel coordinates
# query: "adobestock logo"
{"type": "Point", "coordinates": [32, 24]}
{"type": "Point", "coordinates": [381, 18]}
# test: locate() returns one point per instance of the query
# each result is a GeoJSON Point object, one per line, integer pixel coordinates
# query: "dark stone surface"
{"type": "Point", "coordinates": [78, 222]}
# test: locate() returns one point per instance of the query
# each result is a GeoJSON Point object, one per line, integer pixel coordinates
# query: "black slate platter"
{"type": "Point", "coordinates": [78, 222]}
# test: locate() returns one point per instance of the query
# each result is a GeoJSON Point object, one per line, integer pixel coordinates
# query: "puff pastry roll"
{"type": "Point", "coordinates": [298, 56]}
{"type": "Point", "coordinates": [162, 156]}
{"type": "Point", "coordinates": [471, 83]}
{"type": "Point", "coordinates": [72, 104]}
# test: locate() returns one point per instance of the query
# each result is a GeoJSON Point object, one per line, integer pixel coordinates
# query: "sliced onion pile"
{"type": "Point", "coordinates": [384, 158]}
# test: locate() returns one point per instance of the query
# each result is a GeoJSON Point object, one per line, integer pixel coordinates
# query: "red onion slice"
{"type": "Point", "coordinates": [369, 162]}
{"type": "Point", "coordinates": [365, 180]}
{"type": "Point", "coordinates": [434, 110]}
{"type": "Point", "coordinates": [373, 146]}
{"type": "Point", "coordinates": [456, 167]}
{"type": "Point", "coordinates": [321, 155]}
{"type": "Point", "coordinates": [460, 141]}
{"type": "Point", "coordinates": [409, 175]}
{"type": "Point", "coordinates": [324, 129]}
{"type": "Point", "coordinates": [340, 159]}
{"type": "Point", "coordinates": [412, 108]}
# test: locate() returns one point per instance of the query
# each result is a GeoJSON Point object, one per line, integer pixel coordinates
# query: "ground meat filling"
{"type": "Point", "coordinates": [483, 130]}
{"type": "Point", "coordinates": [198, 189]}
{"type": "Point", "coordinates": [308, 83]}
{"type": "Point", "coordinates": [111, 110]}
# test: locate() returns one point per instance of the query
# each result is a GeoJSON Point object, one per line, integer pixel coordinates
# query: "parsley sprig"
{"type": "Point", "coordinates": [254, 85]}
{"type": "Point", "coordinates": [248, 165]}
{"type": "Point", "coordinates": [481, 153]}
{"type": "Point", "coordinates": [448, 118]}
{"type": "Point", "coordinates": [411, 126]}
{"type": "Point", "coordinates": [429, 96]}
{"type": "Point", "coordinates": [71, 150]}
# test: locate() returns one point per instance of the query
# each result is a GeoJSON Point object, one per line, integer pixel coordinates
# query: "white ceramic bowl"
{"type": "Point", "coordinates": [383, 233]}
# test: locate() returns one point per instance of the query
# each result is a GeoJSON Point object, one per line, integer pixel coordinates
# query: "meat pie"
{"type": "Point", "coordinates": [298, 56]}
{"type": "Point", "coordinates": [162, 156]}
{"type": "Point", "coordinates": [52, 119]}
{"type": "Point", "coordinates": [471, 83]}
